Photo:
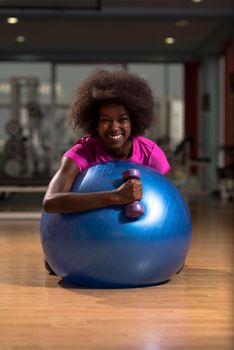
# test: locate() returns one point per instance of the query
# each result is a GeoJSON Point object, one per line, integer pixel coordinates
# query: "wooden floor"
{"type": "Point", "coordinates": [193, 311]}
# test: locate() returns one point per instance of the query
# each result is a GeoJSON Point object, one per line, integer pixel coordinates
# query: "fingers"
{"type": "Point", "coordinates": [130, 191]}
{"type": "Point", "coordinates": [136, 188]}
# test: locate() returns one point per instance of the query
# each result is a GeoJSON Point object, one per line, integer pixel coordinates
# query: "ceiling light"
{"type": "Point", "coordinates": [182, 23]}
{"type": "Point", "coordinates": [20, 38]}
{"type": "Point", "coordinates": [12, 20]}
{"type": "Point", "coordinates": [197, 1]}
{"type": "Point", "coordinates": [169, 40]}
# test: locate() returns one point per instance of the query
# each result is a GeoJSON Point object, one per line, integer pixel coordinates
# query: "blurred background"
{"type": "Point", "coordinates": [184, 48]}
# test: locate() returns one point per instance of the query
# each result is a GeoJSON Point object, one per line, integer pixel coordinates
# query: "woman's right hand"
{"type": "Point", "coordinates": [129, 191]}
{"type": "Point", "coordinates": [59, 199]}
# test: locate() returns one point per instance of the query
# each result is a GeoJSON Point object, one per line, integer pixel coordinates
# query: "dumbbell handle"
{"type": "Point", "coordinates": [134, 209]}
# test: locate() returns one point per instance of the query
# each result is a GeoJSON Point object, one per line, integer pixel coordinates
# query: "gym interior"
{"type": "Point", "coordinates": [185, 50]}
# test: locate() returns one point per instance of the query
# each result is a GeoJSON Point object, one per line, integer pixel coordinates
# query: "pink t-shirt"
{"type": "Point", "coordinates": [88, 151]}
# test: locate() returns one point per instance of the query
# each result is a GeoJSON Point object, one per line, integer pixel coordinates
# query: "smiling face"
{"type": "Point", "coordinates": [114, 128]}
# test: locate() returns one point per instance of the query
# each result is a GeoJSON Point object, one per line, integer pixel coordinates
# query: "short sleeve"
{"type": "Point", "coordinates": [79, 154]}
{"type": "Point", "coordinates": [158, 160]}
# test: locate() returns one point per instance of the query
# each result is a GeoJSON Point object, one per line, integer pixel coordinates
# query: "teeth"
{"type": "Point", "coordinates": [115, 137]}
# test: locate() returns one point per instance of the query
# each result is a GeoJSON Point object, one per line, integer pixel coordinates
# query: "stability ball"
{"type": "Point", "coordinates": [103, 248]}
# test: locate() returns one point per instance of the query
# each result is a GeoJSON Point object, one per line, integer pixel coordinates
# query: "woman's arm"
{"type": "Point", "coordinates": [59, 199]}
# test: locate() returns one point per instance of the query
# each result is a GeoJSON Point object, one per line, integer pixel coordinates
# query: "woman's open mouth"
{"type": "Point", "coordinates": [114, 138]}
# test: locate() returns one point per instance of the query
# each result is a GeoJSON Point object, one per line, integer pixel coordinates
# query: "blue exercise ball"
{"type": "Point", "coordinates": [103, 248]}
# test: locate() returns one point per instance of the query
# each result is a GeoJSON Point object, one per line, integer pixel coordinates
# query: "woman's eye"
{"type": "Point", "coordinates": [123, 120]}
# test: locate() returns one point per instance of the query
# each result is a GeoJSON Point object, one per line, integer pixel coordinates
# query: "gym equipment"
{"type": "Point", "coordinates": [103, 248]}
{"type": "Point", "coordinates": [135, 209]}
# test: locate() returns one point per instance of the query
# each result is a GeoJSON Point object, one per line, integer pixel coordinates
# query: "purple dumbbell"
{"type": "Point", "coordinates": [134, 209]}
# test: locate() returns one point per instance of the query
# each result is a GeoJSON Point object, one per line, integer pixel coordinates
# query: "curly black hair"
{"type": "Point", "coordinates": [121, 87]}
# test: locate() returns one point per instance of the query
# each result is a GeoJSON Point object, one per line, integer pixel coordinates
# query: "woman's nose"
{"type": "Point", "coordinates": [114, 125]}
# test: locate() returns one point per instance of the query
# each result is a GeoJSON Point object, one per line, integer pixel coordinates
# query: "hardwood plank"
{"type": "Point", "coordinates": [192, 311]}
